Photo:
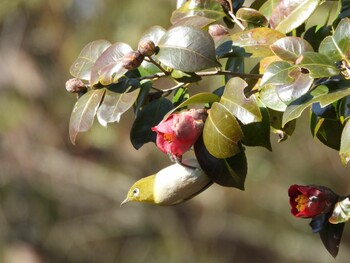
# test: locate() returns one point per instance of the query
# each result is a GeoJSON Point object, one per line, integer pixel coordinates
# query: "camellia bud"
{"type": "Point", "coordinates": [75, 85]}
{"type": "Point", "coordinates": [311, 201]}
{"type": "Point", "coordinates": [147, 48]}
{"type": "Point", "coordinates": [132, 60]}
{"type": "Point", "coordinates": [177, 133]}
{"type": "Point", "coordinates": [217, 30]}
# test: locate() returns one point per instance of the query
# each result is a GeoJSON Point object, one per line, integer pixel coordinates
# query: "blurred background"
{"type": "Point", "coordinates": [60, 203]}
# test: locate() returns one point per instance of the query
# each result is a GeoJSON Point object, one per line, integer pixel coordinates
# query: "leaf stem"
{"type": "Point", "coordinates": [151, 60]}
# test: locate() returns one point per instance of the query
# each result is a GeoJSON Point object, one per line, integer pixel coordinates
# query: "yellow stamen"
{"type": "Point", "coordinates": [302, 201]}
{"type": "Point", "coordinates": [168, 137]}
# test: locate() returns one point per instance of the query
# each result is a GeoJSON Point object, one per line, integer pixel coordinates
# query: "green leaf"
{"type": "Point", "coordinates": [258, 133]}
{"type": "Point", "coordinates": [81, 67]}
{"type": "Point", "coordinates": [341, 212]}
{"type": "Point", "coordinates": [285, 131]}
{"type": "Point", "coordinates": [344, 151]}
{"type": "Point", "coordinates": [114, 105]}
{"type": "Point", "coordinates": [326, 130]}
{"type": "Point", "coordinates": [318, 65]}
{"type": "Point", "coordinates": [84, 112]}
{"type": "Point", "coordinates": [336, 47]}
{"type": "Point", "coordinates": [148, 117]}
{"type": "Point", "coordinates": [290, 48]}
{"type": "Point", "coordinates": [109, 64]}
{"type": "Point", "coordinates": [245, 109]}
{"type": "Point", "coordinates": [209, 8]}
{"type": "Point", "coordinates": [322, 94]}
{"type": "Point", "coordinates": [187, 49]}
{"type": "Point", "coordinates": [199, 98]}
{"type": "Point", "coordinates": [277, 73]}
{"type": "Point", "coordinates": [315, 35]}
{"type": "Point", "coordinates": [230, 172]}
{"type": "Point", "coordinates": [196, 21]}
{"type": "Point", "coordinates": [267, 7]}
{"type": "Point", "coordinates": [221, 132]}
{"type": "Point", "coordinates": [180, 95]}
{"type": "Point", "coordinates": [288, 15]}
{"type": "Point", "coordinates": [268, 95]}
{"type": "Point", "coordinates": [344, 109]}
{"type": "Point", "coordinates": [256, 42]}
{"type": "Point", "coordinates": [251, 16]}
{"type": "Point", "coordinates": [292, 91]}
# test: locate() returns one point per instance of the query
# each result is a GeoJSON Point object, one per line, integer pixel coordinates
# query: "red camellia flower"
{"type": "Point", "coordinates": [177, 133]}
{"type": "Point", "coordinates": [310, 201]}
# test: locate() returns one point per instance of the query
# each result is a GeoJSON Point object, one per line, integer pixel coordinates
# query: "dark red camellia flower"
{"type": "Point", "coordinates": [177, 133]}
{"type": "Point", "coordinates": [310, 201]}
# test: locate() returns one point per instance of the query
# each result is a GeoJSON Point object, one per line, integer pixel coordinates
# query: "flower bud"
{"type": "Point", "coordinates": [132, 60]}
{"type": "Point", "coordinates": [75, 85]}
{"type": "Point", "coordinates": [177, 133]}
{"type": "Point", "coordinates": [147, 48]}
{"type": "Point", "coordinates": [311, 201]}
{"type": "Point", "coordinates": [217, 30]}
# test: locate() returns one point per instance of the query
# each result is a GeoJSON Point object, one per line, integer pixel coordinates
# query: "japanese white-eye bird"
{"type": "Point", "coordinates": [171, 185]}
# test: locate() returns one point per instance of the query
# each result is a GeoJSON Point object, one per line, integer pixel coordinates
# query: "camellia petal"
{"type": "Point", "coordinates": [178, 132]}
{"type": "Point", "coordinates": [310, 201]}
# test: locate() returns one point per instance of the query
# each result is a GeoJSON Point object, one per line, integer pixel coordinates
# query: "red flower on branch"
{"type": "Point", "coordinates": [310, 201]}
{"type": "Point", "coordinates": [177, 133]}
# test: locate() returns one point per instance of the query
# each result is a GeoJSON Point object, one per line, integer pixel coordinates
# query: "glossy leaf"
{"type": "Point", "coordinates": [207, 8]}
{"type": "Point", "coordinates": [292, 91]}
{"type": "Point", "coordinates": [155, 33]}
{"type": "Point", "coordinates": [315, 35]}
{"type": "Point", "coordinates": [199, 98]}
{"type": "Point", "coordinates": [251, 16]}
{"type": "Point", "coordinates": [344, 109]}
{"type": "Point", "coordinates": [322, 94]}
{"type": "Point", "coordinates": [257, 41]}
{"type": "Point", "coordinates": [285, 131]}
{"type": "Point", "coordinates": [277, 73]}
{"type": "Point", "coordinates": [149, 116]}
{"type": "Point", "coordinates": [81, 67]}
{"type": "Point", "coordinates": [109, 63]}
{"type": "Point", "coordinates": [230, 172]}
{"type": "Point", "coordinates": [318, 65]}
{"type": "Point", "coordinates": [288, 15]}
{"type": "Point", "coordinates": [258, 133]}
{"type": "Point", "coordinates": [290, 48]}
{"type": "Point", "coordinates": [84, 112]}
{"type": "Point", "coordinates": [187, 49]}
{"type": "Point", "coordinates": [341, 212]}
{"type": "Point", "coordinates": [111, 73]}
{"type": "Point", "coordinates": [114, 105]}
{"type": "Point", "coordinates": [196, 21]}
{"type": "Point", "coordinates": [221, 132]}
{"type": "Point", "coordinates": [331, 236]}
{"type": "Point", "coordinates": [268, 95]}
{"type": "Point", "coordinates": [344, 151]}
{"type": "Point", "coordinates": [337, 46]}
{"type": "Point", "coordinates": [243, 108]}
{"type": "Point", "coordinates": [328, 131]}
{"type": "Point", "coordinates": [267, 7]}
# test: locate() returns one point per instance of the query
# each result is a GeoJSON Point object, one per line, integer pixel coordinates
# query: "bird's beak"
{"type": "Point", "coordinates": [125, 201]}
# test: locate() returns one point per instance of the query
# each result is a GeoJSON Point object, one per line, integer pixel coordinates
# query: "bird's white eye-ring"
{"type": "Point", "coordinates": [135, 192]}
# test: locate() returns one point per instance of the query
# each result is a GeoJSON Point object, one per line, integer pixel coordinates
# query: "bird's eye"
{"type": "Point", "coordinates": [135, 192]}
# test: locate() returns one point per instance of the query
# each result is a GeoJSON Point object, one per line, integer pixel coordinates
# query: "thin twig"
{"type": "Point", "coordinates": [226, 72]}
{"type": "Point", "coordinates": [236, 20]}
